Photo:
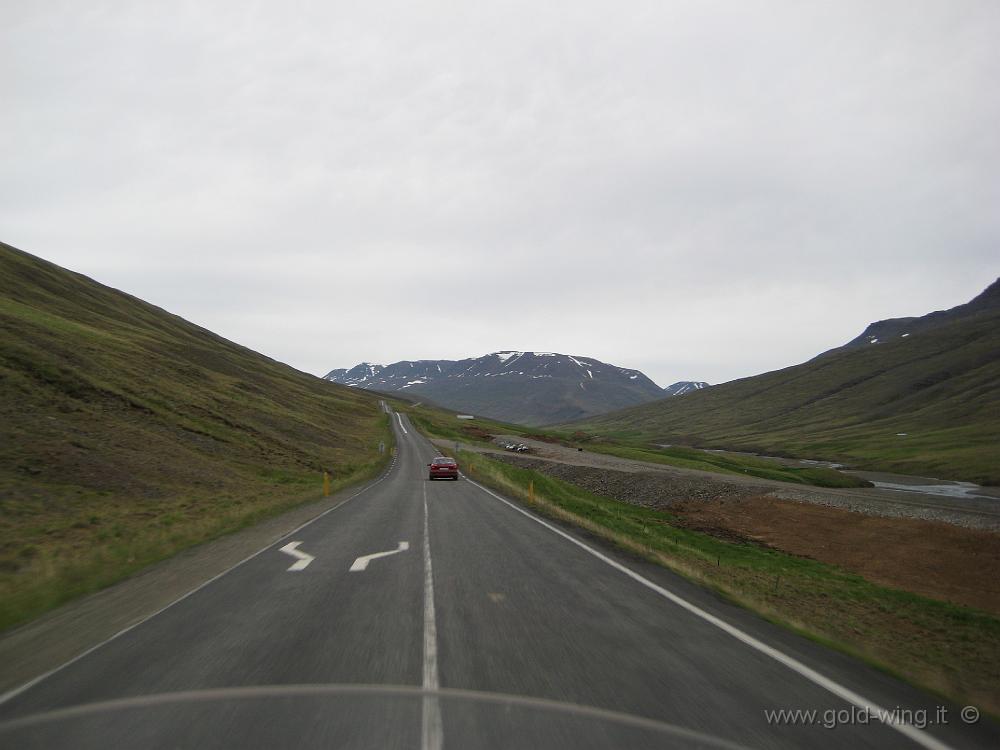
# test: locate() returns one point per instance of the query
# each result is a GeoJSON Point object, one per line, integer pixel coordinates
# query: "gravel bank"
{"type": "Point", "coordinates": [652, 489]}
{"type": "Point", "coordinates": [661, 486]}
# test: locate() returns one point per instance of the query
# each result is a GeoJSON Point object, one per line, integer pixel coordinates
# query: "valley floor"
{"type": "Point", "coordinates": [662, 486]}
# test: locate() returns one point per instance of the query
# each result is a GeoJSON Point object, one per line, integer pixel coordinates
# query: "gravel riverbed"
{"type": "Point", "coordinates": [662, 486]}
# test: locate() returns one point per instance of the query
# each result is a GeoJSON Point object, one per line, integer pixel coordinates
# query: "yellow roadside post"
{"type": "Point", "coordinates": [326, 484]}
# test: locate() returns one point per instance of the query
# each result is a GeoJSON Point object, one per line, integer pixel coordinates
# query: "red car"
{"type": "Point", "coordinates": [443, 467]}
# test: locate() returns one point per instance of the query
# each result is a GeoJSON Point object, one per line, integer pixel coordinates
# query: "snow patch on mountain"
{"type": "Point", "coordinates": [685, 386]}
{"type": "Point", "coordinates": [531, 387]}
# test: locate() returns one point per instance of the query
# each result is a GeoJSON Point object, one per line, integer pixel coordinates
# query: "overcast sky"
{"type": "Point", "coordinates": [700, 190]}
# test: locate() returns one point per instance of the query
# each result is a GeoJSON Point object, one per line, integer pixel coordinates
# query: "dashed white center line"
{"type": "Point", "coordinates": [433, 734]}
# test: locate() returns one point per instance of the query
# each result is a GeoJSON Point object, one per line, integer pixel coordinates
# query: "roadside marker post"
{"type": "Point", "coordinates": [326, 484]}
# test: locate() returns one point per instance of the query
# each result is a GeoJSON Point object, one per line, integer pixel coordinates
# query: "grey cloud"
{"type": "Point", "coordinates": [701, 190]}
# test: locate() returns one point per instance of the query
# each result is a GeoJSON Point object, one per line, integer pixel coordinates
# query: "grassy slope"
{"type": "Point", "coordinates": [940, 386]}
{"type": "Point", "coordinates": [949, 649]}
{"type": "Point", "coordinates": [127, 433]}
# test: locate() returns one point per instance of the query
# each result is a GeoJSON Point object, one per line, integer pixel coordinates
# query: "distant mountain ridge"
{"type": "Point", "coordinates": [531, 388]}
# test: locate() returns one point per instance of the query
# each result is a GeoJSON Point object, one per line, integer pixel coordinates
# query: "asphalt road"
{"type": "Point", "coordinates": [485, 628]}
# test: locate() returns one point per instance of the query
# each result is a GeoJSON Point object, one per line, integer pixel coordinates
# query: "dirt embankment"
{"type": "Point", "coordinates": [652, 489]}
{"type": "Point", "coordinates": [939, 560]}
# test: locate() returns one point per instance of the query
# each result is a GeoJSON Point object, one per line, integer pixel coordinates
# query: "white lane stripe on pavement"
{"type": "Point", "coordinates": [918, 736]}
{"type": "Point", "coordinates": [400, 418]}
{"type": "Point", "coordinates": [433, 733]}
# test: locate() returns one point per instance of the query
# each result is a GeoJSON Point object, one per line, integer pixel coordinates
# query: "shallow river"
{"type": "Point", "coordinates": [899, 482]}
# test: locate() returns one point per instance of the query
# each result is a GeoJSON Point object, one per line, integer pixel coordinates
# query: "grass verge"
{"type": "Point", "coordinates": [52, 557]}
{"type": "Point", "coordinates": [950, 650]}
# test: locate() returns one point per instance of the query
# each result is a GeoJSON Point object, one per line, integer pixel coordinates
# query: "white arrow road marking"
{"type": "Point", "coordinates": [362, 562]}
{"type": "Point", "coordinates": [303, 559]}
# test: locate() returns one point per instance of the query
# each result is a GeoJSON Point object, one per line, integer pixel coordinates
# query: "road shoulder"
{"type": "Point", "coordinates": [63, 634]}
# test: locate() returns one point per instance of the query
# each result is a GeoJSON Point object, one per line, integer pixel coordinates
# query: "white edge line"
{"type": "Point", "coordinates": [400, 418]}
{"type": "Point", "coordinates": [432, 737]}
{"type": "Point", "coordinates": [14, 692]}
{"type": "Point", "coordinates": [920, 737]}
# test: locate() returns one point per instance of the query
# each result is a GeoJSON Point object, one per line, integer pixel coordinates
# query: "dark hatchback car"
{"type": "Point", "coordinates": [443, 467]}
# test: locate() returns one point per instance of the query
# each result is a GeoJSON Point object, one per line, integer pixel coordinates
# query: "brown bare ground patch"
{"type": "Point", "coordinates": [477, 433]}
{"type": "Point", "coordinates": [939, 560]}
{"type": "Point", "coordinates": [543, 438]}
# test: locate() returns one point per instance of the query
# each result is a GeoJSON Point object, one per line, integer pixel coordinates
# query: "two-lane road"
{"type": "Point", "coordinates": [475, 595]}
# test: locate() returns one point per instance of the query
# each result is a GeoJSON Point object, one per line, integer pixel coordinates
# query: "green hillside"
{"type": "Point", "coordinates": [127, 433]}
{"type": "Point", "coordinates": [939, 386]}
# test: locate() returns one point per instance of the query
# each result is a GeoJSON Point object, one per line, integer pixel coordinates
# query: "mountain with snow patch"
{"type": "Point", "coordinates": [896, 329]}
{"type": "Point", "coordinates": [917, 395]}
{"type": "Point", "coordinates": [684, 386]}
{"type": "Point", "coordinates": [532, 388]}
